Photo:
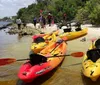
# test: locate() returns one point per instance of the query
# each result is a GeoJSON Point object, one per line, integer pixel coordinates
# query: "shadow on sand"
{"type": "Point", "coordinates": [88, 81]}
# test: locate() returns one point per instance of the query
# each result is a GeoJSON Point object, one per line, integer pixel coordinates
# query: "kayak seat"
{"type": "Point", "coordinates": [78, 29]}
{"type": "Point", "coordinates": [37, 59]}
{"type": "Point", "coordinates": [39, 39]}
{"type": "Point", "coordinates": [67, 30]}
{"type": "Point", "coordinates": [78, 26]}
{"type": "Point", "coordinates": [97, 44]}
{"type": "Point", "coordinates": [93, 54]}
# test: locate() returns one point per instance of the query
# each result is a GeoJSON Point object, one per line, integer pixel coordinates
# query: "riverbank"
{"type": "Point", "coordinates": [30, 29]}
{"type": "Point", "coordinates": [69, 73]}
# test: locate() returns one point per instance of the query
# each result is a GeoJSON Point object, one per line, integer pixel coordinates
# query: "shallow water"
{"type": "Point", "coordinates": [12, 46]}
{"type": "Point", "coordinates": [68, 73]}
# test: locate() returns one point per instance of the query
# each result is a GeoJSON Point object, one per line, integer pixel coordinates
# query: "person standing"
{"type": "Point", "coordinates": [49, 18]}
{"type": "Point", "coordinates": [64, 19]}
{"type": "Point", "coordinates": [41, 20]}
{"type": "Point", "coordinates": [19, 22]}
{"type": "Point", "coordinates": [44, 21]}
{"type": "Point", "coordinates": [35, 21]}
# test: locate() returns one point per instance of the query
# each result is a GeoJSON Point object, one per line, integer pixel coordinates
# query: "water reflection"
{"type": "Point", "coordinates": [5, 38]}
{"type": "Point", "coordinates": [19, 36]}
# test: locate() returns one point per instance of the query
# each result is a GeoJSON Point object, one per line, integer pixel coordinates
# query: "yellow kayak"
{"type": "Point", "coordinates": [37, 47]}
{"type": "Point", "coordinates": [91, 62]}
{"type": "Point", "coordinates": [74, 34]}
{"type": "Point", "coordinates": [49, 35]}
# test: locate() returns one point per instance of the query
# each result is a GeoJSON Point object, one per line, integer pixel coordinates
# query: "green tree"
{"type": "Point", "coordinates": [56, 7]}
{"type": "Point", "coordinates": [90, 12]}
{"type": "Point", "coordinates": [20, 12]}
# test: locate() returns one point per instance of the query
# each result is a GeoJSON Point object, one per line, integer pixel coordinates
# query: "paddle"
{"type": "Point", "coordinates": [76, 54]}
{"type": "Point", "coordinates": [6, 61]}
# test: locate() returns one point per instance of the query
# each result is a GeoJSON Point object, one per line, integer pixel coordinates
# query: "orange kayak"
{"type": "Point", "coordinates": [43, 63]}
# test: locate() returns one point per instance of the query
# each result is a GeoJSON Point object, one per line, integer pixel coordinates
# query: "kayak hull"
{"type": "Point", "coordinates": [74, 34]}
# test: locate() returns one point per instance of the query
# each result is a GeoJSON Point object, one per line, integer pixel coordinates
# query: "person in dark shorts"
{"type": "Point", "coordinates": [49, 18]}
{"type": "Point", "coordinates": [44, 21]}
{"type": "Point", "coordinates": [34, 21]}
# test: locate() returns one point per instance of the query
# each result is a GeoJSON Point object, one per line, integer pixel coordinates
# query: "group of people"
{"type": "Point", "coordinates": [42, 20]}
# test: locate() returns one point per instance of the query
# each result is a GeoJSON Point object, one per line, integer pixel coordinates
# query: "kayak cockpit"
{"type": "Point", "coordinates": [37, 59]}
{"type": "Point", "coordinates": [97, 44]}
{"type": "Point", "coordinates": [39, 39]}
{"type": "Point", "coordinates": [93, 54]}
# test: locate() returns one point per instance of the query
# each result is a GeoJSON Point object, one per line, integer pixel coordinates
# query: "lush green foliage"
{"type": "Point", "coordinates": [75, 9]}
{"type": "Point", "coordinates": [56, 7]}
{"type": "Point", "coordinates": [90, 12]}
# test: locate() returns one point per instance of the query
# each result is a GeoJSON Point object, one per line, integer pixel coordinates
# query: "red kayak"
{"type": "Point", "coordinates": [41, 64]}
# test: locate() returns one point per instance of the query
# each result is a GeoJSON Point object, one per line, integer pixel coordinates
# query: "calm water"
{"type": "Point", "coordinates": [3, 23]}
{"type": "Point", "coordinates": [15, 43]}
{"type": "Point", "coordinates": [6, 40]}
{"type": "Point", "coordinates": [12, 46]}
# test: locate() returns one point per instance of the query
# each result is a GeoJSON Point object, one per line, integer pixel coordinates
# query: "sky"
{"type": "Point", "coordinates": [10, 7]}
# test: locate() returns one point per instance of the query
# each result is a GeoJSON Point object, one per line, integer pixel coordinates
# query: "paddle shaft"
{"type": "Point", "coordinates": [23, 59]}
{"type": "Point", "coordinates": [58, 56]}
{"type": "Point", "coordinates": [77, 54]}
{"type": "Point", "coordinates": [6, 61]}
{"type": "Point", "coordinates": [47, 57]}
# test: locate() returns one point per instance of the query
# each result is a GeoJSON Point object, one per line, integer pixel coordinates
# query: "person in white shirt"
{"type": "Point", "coordinates": [18, 22]}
